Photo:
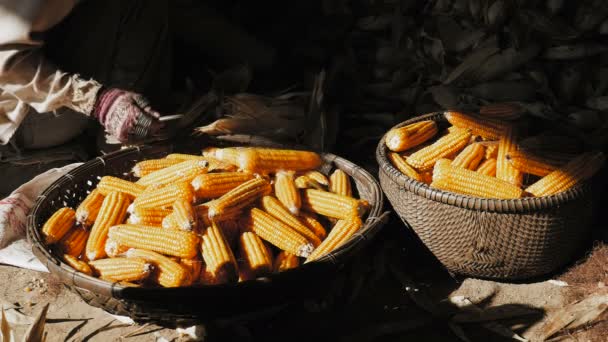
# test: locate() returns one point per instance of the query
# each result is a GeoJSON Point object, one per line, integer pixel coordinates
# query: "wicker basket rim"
{"type": "Point", "coordinates": [513, 206]}
{"type": "Point", "coordinates": [375, 220]}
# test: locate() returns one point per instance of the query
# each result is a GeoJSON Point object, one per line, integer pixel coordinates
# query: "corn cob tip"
{"type": "Point", "coordinates": [131, 208]}
{"type": "Point", "coordinates": [134, 219]}
{"type": "Point", "coordinates": [294, 210]}
{"type": "Point", "coordinates": [305, 250]}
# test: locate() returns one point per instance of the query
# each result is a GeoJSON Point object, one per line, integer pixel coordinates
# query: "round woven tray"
{"type": "Point", "coordinates": [175, 306]}
{"type": "Point", "coordinates": [489, 238]}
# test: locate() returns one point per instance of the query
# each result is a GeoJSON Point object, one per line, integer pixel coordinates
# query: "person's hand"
{"type": "Point", "coordinates": [119, 110]}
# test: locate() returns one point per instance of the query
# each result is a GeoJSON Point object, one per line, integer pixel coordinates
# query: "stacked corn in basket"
{"type": "Point", "coordinates": [228, 215]}
{"type": "Point", "coordinates": [485, 155]}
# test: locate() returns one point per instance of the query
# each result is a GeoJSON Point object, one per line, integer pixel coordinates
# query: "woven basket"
{"type": "Point", "coordinates": [489, 238]}
{"type": "Point", "coordinates": [175, 306]}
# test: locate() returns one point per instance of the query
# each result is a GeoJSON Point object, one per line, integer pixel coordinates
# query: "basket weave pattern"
{"type": "Point", "coordinates": [489, 238]}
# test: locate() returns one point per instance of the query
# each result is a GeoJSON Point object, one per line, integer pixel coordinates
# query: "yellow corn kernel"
{"type": "Point", "coordinates": [491, 149]}
{"type": "Point", "coordinates": [165, 196]}
{"type": "Point", "coordinates": [310, 220]}
{"type": "Point", "coordinates": [317, 177]}
{"type": "Point", "coordinates": [445, 147]}
{"type": "Point", "coordinates": [285, 261]}
{"type": "Point", "coordinates": [58, 225]}
{"type": "Point", "coordinates": [193, 267]}
{"type": "Point", "coordinates": [488, 167]}
{"type": "Point", "coordinates": [275, 208]}
{"type": "Point", "coordinates": [339, 183]}
{"type": "Point", "coordinates": [167, 272]}
{"type": "Point", "coordinates": [455, 179]}
{"type": "Point", "coordinates": [184, 215]}
{"type": "Point", "coordinates": [148, 216]}
{"type": "Point", "coordinates": [286, 191]}
{"type": "Point", "coordinates": [219, 259]}
{"type": "Point", "coordinates": [109, 184]}
{"type": "Point", "coordinates": [339, 234]}
{"type": "Point", "coordinates": [502, 111]}
{"type": "Point", "coordinates": [212, 185]}
{"type": "Point", "coordinates": [255, 259]}
{"type": "Point", "coordinates": [214, 163]}
{"type": "Point", "coordinates": [87, 211]}
{"type": "Point", "coordinates": [177, 243]}
{"type": "Point", "coordinates": [121, 269]}
{"type": "Point", "coordinates": [184, 156]}
{"type": "Point", "coordinates": [577, 170]}
{"type": "Point", "coordinates": [228, 155]}
{"type": "Point", "coordinates": [146, 167]}
{"type": "Point", "coordinates": [303, 182]}
{"type": "Point", "coordinates": [531, 163]}
{"type": "Point", "coordinates": [74, 241]}
{"type": "Point", "coordinates": [277, 233]}
{"type": "Point", "coordinates": [238, 198]}
{"type": "Point", "coordinates": [182, 172]}
{"type": "Point", "coordinates": [330, 204]}
{"type": "Point", "coordinates": [470, 157]}
{"type": "Point", "coordinates": [488, 129]}
{"type": "Point", "coordinates": [77, 264]}
{"type": "Point", "coordinates": [412, 135]}
{"type": "Point", "coordinates": [113, 211]}
{"type": "Point", "coordinates": [265, 160]}
{"type": "Point", "coordinates": [400, 164]}
{"type": "Point", "coordinates": [113, 249]}
{"type": "Point", "coordinates": [504, 170]}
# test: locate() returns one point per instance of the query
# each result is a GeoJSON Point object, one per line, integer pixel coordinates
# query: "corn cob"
{"type": "Point", "coordinates": [167, 272]}
{"type": "Point", "coordinates": [339, 234]}
{"type": "Point", "coordinates": [262, 160]}
{"type": "Point", "coordinates": [577, 170]}
{"type": "Point", "coordinates": [219, 259]}
{"type": "Point", "coordinates": [531, 163]}
{"type": "Point", "coordinates": [488, 167]}
{"type": "Point", "coordinates": [400, 164]}
{"type": "Point", "coordinates": [504, 170]}
{"type": "Point", "coordinates": [318, 177]}
{"type": "Point", "coordinates": [184, 157]}
{"type": "Point", "coordinates": [182, 172]}
{"type": "Point", "coordinates": [121, 269]}
{"type": "Point", "coordinates": [427, 177]}
{"type": "Point", "coordinates": [277, 233]}
{"type": "Point", "coordinates": [109, 184]}
{"type": "Point", "coordinates": [113, 211]}
{"type": "Point", "coordinates": [74, 241]}
{"type": "Point", "coordinates": [276, 209]}
{"type": "Point", "coordinates": [113, 249]}
{"type": "Point", "coordinates": [146, 167]}
{"type": "Point", "coordinates": [285, 261]}
{"type": "Point", "coordinates": [169, 222]}
{"type": "Point", "coordinates": [255, 259]}
{"type": "Point", "coordinates": [166, 241]}
{"type": "Point", "coordinates": [330, 204]}
{"type": "Point", "coordinates": [286, 191]}
{"type": "Point", "coordinates": [212, 185]}
{"type": "Point", "coordinates": [228, 155]}
{"type": "Point", "coordinates": [58, 225]}
{"type": "Point", "coordinates": [491, 149]}
{"type": "Point", "coordinates": [165, 196]}
{"type": "Point", "coordinates": [214, 163]}
{"type": "Point", "coordinates": [87, 211]}
{"type": "Point", "coordinates": [239, 198]}
{"type": "Point", "coordinates": [148, 216]}
{"type": "Point", "coordinates": [193, 267]}
{"type": "Point", "coordinates": [310, 220]}
{"type": "Point", "coordinates": [77, 264]}
{"type": "Point", "coordinates": [489, 129]}
{"type": "Point", "coordinates": [444, 147]}
{"type": "Point", "coordinates": [303, 182]}
{"type": "Point", "coordinates": [184, 214]}
{"type": "Point", "coordinates": [502, 111]}
{"type": "Point", "coordinates": [470, 157]}
{"type": "Point", "coordinates": [472, 183]}
{"type": "Point", "coordinates": [339, 183]}
{"type": "Point", "coordinates": [403, 138]}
